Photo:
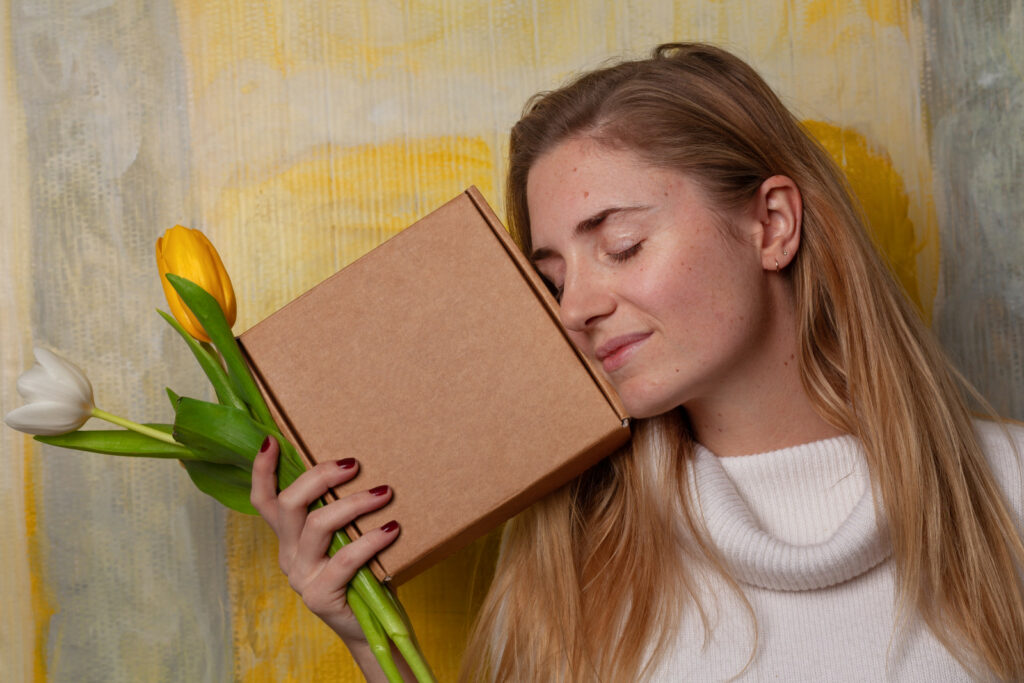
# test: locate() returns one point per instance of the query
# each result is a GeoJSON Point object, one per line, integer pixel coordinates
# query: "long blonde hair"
{"type": "Point", "coordinates": [583, 575]}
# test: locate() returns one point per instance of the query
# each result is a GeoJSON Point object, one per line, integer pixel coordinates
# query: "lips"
{"type": "Point", "coordinates": [615, 353]}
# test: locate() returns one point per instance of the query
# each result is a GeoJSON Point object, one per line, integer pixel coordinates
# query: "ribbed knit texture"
{"type": "Point", "coordinates": [797, 527]}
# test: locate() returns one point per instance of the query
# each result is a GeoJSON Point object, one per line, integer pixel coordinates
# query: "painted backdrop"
{"type": "Point", "coordinates": [300, 134]}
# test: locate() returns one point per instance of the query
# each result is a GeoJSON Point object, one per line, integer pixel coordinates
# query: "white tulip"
{"type": "Point", "coordinates": [58, 393]}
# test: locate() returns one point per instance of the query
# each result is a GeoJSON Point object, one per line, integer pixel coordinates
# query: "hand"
{"type": "Point", "coordinates": [303, 537]}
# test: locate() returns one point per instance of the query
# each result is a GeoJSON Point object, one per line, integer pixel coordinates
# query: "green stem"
{"type": "Point", "coordinates": [390, 616]}
{"type": "Point", "coordinates": [380, 646]}
{"type": "Point", "coordinates": [134, 426]}
{"type": "Point", "coordinates": [407, 646]}
{"type": "Point", "coordinates": [208, 360]}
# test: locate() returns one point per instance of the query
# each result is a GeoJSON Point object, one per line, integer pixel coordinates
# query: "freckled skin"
{"type": "Point", "coordinates": [716, 323]}
{"type": "Point", "coordinates": [704, 311]}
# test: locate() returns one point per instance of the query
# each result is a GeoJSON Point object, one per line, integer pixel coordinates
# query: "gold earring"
{"type": "Point", "coordinates": [785, 253]}
{"type": "Point", "coordinates": [776, 265]}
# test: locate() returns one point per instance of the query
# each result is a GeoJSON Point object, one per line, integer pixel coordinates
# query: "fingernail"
{"type": "Point", "coordinates": [347, 463]}
{"type": "Point", "coordinates": [265, 445]}
{"type": "Point", "coordinates": [389, 527]}
{"type": "Point", "coordinates": [378, 490]}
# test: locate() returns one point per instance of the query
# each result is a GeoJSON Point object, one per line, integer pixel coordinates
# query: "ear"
{"type": "Point", "coordinates": [778, 209]}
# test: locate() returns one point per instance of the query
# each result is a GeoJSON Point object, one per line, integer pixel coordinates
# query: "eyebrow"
{"type": "Point", "coordinates": [586, 225]}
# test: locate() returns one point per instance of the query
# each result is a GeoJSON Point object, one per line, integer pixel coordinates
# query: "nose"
{"type": "Point", "coordinates": [585, 300]}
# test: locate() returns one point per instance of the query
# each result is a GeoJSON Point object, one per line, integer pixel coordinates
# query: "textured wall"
{"type": "Point", "coordinates": [298, 135]}
{"type": "Point", "coordinates": [974, 96]}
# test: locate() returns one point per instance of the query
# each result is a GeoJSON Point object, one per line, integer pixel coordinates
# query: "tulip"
{"type": "Point", "coordinates": [58, 393]}
{"type": "Point", "coordinates": [60, 400]}
{"type": "Point", "coordinates": [188, 254]}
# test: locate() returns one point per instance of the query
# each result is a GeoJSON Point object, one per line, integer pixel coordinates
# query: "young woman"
{"type": "Point", "coordinates": [805, 497]}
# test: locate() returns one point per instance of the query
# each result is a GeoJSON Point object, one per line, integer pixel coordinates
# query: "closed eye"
{"type": "Point", "coordinates": [555, 291]}
{"type": "Point", "coordinates": [626, 254]}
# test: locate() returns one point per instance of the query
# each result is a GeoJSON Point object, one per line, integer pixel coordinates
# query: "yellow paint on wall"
{"type": "Point", "coordinates": [277, 639]}
{"type": "Point", "coordinates": [43, 607]}
{"type": "Point", "coordinates": [26, 600]}
{"type": "Point", "coordinates": [327, 206]}
{"type": "Point", "coordinates": [889, 12]}
{"type": "Point", "coordinates": [883, 12]}
{"type": "Point", "coordinates": [359, 38]}
{"type": "Point", "coordinates": [883, 199]}
{"type": "Point", "coordinates": [215, 29]}
{"type": "Point", "coordinates": [871, 50]}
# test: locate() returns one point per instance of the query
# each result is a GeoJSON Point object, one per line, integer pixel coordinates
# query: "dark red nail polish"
{"type": "Point", "coordinates": [265, 445]}
{"type": "Point", "coordinates": [347, 463]}
{"type": "Point", "coordinates": [379, 490]}
{"type": "Point", "coordinates": [389, 527]}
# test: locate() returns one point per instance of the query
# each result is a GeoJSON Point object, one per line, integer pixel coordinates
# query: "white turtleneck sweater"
{"type": "Point", "coordinates": [797, 528]}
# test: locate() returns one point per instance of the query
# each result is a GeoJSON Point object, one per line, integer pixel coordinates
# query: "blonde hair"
{"type": "Point", "coordinates": [583, 574]}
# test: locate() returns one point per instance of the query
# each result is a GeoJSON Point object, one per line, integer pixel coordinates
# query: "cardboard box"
{"type": "Point", "coordinates": [437, 360]}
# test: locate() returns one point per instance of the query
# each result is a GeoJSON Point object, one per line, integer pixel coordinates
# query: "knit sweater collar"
{"type": "Point", "coordinates": [798, 518]}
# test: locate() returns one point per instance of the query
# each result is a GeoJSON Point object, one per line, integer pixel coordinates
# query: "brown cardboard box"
{"type": "Point", "coordinates": [437, 361]}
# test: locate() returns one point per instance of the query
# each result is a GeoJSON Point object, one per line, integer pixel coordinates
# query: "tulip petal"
{"type": "Point", "coordinates": [66, 375]}
{"type": "Point", "coordinates": [202, 264]}
{"type": "Point", "coordinates": [223, 292]}
{"type": "Point", "coordinates": [47, 418]}
{"type": "Point", "coordinates": [188, 253]}
{"type": "Point", "coordinates": [35, 384]}
{"type": "Point", "coordinates": [174, 254]}
{"type": "Point", "coordinates": [185, 316]}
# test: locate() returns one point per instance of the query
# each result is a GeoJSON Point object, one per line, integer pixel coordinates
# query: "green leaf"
{"type": "Point", "coordinates": [173, 397]}
{"type": "Point", "coordinates": [211, 317]}
{"type": "Point", "coordinates": [290, 464]}
{"type": "Point", "coordinates": [209, 348]}
{"type": "Point", "coordinates": [210, 365]}
{"type": "Point", "coordinates": [218, 433]}
{"type": "Point", "coordinates": [120, 442]}
{"type": "Point", "coordinates": [229, 485]}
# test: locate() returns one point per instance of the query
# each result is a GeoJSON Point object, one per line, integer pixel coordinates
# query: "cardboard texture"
{"type": "Point", "coordinates": [437, 361]}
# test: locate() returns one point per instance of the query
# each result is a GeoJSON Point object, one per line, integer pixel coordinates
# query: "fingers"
{"type": "Point", "coordinates": [303, 536]}
{"type": "Point", "coordinates": [294, 501]}
{"type": "Point", "coordinates": [322, 523]}
{"type": "Point", "coordinates": [340, 569]}
{"type": "Point", "coordinates": [263, 495]}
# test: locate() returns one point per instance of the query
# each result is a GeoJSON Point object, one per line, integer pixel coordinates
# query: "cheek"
{"type": "Point", "coordinates": [706, 303]}
{"type": "Point", "coordinates": [735, 316]}
{"type": "Point", "coordinates": [676, 289]}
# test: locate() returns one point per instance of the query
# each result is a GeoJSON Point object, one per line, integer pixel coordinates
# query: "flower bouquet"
{"type": "Point", "coordinates": [216, 442]}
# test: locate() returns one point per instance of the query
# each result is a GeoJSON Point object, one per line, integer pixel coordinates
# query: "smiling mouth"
{"type": "Point", "coordinates": [616, 352]}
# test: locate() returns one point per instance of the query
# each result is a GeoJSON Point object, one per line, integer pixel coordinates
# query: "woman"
{"type": "Point", "coordinates": [706, 253]}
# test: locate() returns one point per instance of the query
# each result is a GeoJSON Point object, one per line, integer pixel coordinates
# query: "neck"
{"type": "Point", "coordinates": [768, 408]}
{"type": "Point", "coordinates": [726, 430]}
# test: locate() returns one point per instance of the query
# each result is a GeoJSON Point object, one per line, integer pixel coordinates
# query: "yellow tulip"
{"type": "Point", "coordinates": [187, 253]}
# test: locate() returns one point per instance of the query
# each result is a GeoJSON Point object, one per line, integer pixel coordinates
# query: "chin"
{"type": "Point", "coordinates": [644, 406]}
